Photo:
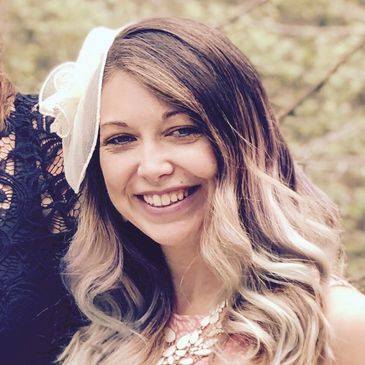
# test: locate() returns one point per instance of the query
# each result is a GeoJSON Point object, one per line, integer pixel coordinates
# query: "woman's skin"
{"type": "Point", "coordinates": [346, 314]}
{"type": "Point", "coordinates": [160, 171]}
{"type": "Point", "coordinates": [147, 148]}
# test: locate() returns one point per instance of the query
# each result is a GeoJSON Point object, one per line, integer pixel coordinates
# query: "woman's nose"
{"type": "Point", "coordinates": [154, 164]}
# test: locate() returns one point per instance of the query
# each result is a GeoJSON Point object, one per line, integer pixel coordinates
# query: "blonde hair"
{"type": "Point", "coordinates": [269, 234]}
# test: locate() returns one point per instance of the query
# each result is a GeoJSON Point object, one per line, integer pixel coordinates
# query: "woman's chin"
{"type": "Point", "coordinates": [176, 239]}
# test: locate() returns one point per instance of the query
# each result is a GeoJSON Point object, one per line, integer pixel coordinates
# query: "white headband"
{"type": "Point", "coordinates": [71, 94]}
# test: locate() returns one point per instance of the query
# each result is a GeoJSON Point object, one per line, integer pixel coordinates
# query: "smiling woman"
{"type": "Point", "coordinates": [200, 241]}
{"type": "Point", "coordinates": [167, 166]}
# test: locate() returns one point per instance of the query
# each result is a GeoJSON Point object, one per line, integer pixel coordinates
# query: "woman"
{"type": "Point", "coordinates": [37, 213]}
{"type": "Point", "coordinates": [208, 244]}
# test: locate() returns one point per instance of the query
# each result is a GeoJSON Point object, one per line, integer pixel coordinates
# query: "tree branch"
{"type": "Point", "coordinates": [313, 89]}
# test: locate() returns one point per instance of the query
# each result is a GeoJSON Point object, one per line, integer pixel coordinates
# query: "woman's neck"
{"type": "Point", "coordinates": [196, 286]}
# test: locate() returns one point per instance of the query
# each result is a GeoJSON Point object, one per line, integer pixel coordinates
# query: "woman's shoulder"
{"type": "Point", "coordinates": [345, 310]}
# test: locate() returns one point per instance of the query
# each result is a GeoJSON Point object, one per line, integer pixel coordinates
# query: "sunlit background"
{"type": "Point", "coordinates": [310, 54]}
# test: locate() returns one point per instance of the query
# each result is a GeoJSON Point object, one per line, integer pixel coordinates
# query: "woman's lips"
{"type": "Point", "coordinates": [167, 198]}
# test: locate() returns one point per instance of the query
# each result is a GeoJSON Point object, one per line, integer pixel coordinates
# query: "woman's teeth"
{"type": "Point", "coordinates": [166, 199]}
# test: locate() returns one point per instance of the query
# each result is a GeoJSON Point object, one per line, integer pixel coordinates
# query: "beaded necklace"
{"type": "Point", "coordinates": [191, 347]}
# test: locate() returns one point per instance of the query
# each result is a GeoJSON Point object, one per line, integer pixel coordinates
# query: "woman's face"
{"type": "Point", "coordinates": [158, 167]}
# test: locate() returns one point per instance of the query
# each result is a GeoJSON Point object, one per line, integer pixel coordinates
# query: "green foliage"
{"type": "Point", "coordinates": [293, 45]}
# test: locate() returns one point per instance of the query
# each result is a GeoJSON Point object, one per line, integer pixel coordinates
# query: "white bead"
{"type": "Point", "coordinates": [203, 352]}
{"type": "Point", "coordinates": [205, 321]}
{"type": "Point", "coordinates": [194, 337]}
{"type": "Point", "coordinates": [214, 332]}
{"type": "Point", "coordinates": [170, 360]}
{"type": "Point", "coordinates": [187, 361]}
{"type": "Point", "coordinates": [169, 351]}
{"type": "Point", "coordinates": [183, 341]}
{"type": "Point", "coordinates": [214, 318]}
{"type": "Point", "coordinates": [210, 342]}
{"type": "Point", "coordinates": [180, 353]}
{"type": "Point", "coordinates": [170, 335]}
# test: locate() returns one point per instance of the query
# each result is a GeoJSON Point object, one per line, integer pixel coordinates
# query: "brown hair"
{"type": "Point", "coordinates": [7, 89]}
{"type": "Point", "coordinates": [7, 97]}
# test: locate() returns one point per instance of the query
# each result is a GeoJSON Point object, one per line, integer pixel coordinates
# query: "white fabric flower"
{"type": "Point", "coordinates": [71, 94]}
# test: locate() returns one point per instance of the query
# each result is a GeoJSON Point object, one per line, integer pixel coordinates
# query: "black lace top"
{"type": "Point", "coordinates": [37, 215]}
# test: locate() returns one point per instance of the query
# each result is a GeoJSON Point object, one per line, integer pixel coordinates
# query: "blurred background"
{"type": "Point", "coordinates": [310, 54]}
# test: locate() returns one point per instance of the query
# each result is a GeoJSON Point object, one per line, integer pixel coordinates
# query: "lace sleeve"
{"type": "Point", "coordinates": [38, 212]}
{"type": "Point", "coordinates": [35, 199]}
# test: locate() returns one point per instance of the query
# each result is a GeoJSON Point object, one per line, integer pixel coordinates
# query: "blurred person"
{"type": "Point", "coordinates": [37, 214]}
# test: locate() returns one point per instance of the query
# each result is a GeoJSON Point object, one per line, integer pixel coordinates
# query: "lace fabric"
{"type": "Point", "coordinates": [34, 195]}
{"type": "Point", "coordinates": [38, 212]}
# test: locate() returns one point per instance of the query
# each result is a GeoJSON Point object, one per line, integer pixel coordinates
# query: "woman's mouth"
{"type": "Point", "coordinates": [167, 199]}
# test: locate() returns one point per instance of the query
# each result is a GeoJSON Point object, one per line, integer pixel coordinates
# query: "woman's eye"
{"type": "Point", "coordinates": [188, 131]}
{"type": "Point", "coordinates": [120, 140]}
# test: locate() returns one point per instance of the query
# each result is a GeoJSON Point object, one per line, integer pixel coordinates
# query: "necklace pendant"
{"type": "Point", "coordinates": [205, 321]}
{"type": "Point", "coordinates": [170, 335]}
{"type": "Point", "coordinates": [203, 352]}
{"type": "Point", "coordinates": [183, 341]}
{"type": "Point", "coordinates": [214, 318]}
{"type": "Point", "coordinates": [180, 353]}
{"type": "Point", "coordinates": [169, 351]}
{"type": "Point", "coordinates": [194, 337]}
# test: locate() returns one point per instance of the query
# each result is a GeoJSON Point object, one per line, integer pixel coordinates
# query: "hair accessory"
{"type": "Point", "coordinates": [191, 347]}
{"type": "Point", "coordinates": [71, 94]}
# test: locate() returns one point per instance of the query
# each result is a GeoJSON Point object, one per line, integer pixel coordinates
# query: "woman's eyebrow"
{"type": "Point", "coordinates": [119, 123]}
{"type": "Point", "coordinates": [171, 113]}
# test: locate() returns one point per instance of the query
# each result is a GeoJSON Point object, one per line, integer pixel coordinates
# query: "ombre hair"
{"type": "Point", "coordinates": [271, 237]}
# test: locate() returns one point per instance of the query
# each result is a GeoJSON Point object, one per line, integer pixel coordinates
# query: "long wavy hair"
{"type": "Point", "coordinates": [271, 238]}
{"type": "Point", "coordinates": [7, 96]}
